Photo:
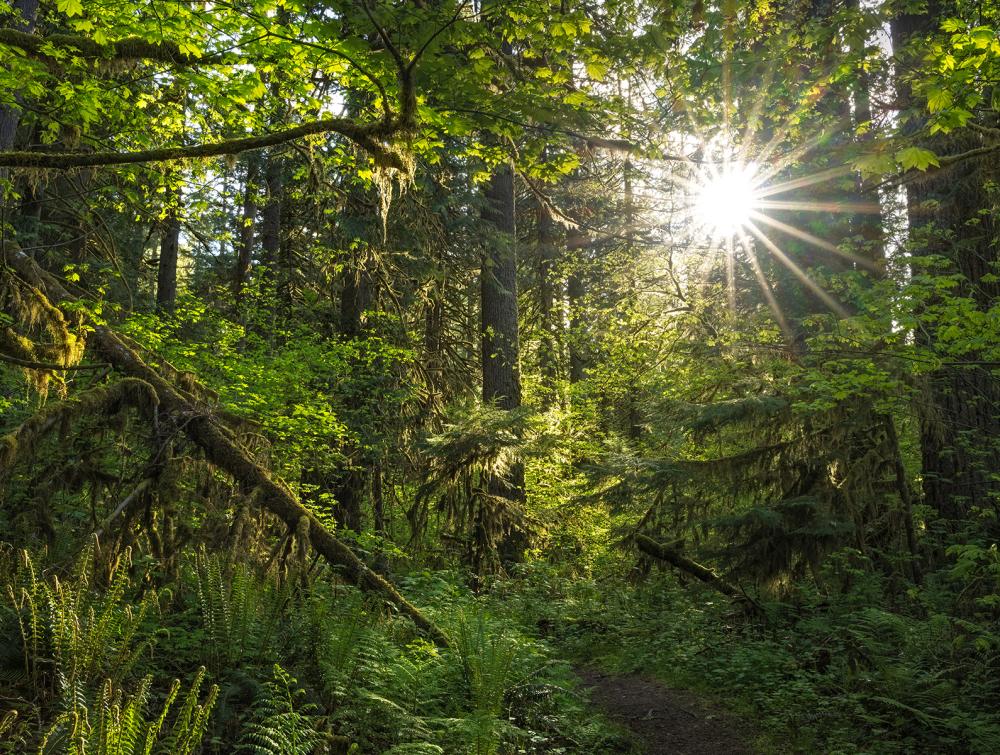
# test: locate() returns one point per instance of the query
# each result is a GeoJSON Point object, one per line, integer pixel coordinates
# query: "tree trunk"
{"type": "Point", "coordinates": [548, 286]}
{"type": "Point", "coordinates": [356, 297]}
{"type": "Point", "coordinates": [166, 271]}
{"type": "Point", "coordinates": [270, 216]}
{"type": "Point", "coordinates": [26, 14]}
{"type": "Point", "coordinates": [960, 421]}
{"type": "Point", "coordinates": [500, 339]}
{"type": "Point", "coordinates": [245, 249]}
{"type": "Point", "coordinates": [575, 291]}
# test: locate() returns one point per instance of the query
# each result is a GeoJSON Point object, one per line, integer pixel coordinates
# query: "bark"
{"type": "Point", "coordinates": [905, 493]}
{"type": "Point", "coordinates": [366, 136]}
{"type": "Point", "coordinates": [356, 297]}
{"type": "Point", "coordinates": [500, 338]}
{"type": "Point", "coordinates": [575, 291]}
{"type": "Point", "coordinates": [130, 49]}
{"type": "Point", "coordinates": [273, 276]}
{"type": "Point", "coordinates": [548, 285]}
{"type": "Point", "coordinates": [220, 447]}
{"type": "Point", "coordinates": [498, 282]}
{"type": "Point", "coordinates": [960, 419]}
{"type": "Point", "coordinates": [434, 345]}
{"type": "Point", "coordinates": [166, 269]}
{"type": "Point", "coordinates": [702, 573]}
{"type": "Point", "coordinates": [24, 23]}
{"type": "Point", "coordinates": [246, 231]}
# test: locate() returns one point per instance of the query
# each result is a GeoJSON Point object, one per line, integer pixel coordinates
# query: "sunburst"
{"type": "Point", "coordinates": [731, 194]}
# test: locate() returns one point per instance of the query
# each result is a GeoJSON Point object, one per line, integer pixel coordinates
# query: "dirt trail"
{"type": "Point", "coordinates": [663, 720]}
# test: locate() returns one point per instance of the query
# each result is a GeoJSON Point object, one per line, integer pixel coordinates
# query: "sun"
{"type": "Point", "coordinates": [725, 199]}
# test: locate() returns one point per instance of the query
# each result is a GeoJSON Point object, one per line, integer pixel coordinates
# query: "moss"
{"type": "Point", "coordinates": [108, 400]}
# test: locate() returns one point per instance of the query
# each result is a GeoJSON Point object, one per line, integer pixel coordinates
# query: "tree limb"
{"type": "Point", "coordinates": [28, 364]}
{"type": "Point", "coordinates": [131, 48]}
{"type": "Point", "coordinates": [702, 573]}
{"type": "Point", "coordinates": [364, 135]}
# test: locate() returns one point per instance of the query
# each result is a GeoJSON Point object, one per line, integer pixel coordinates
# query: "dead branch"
{"type": "Point", "coordinates": [702, 573]}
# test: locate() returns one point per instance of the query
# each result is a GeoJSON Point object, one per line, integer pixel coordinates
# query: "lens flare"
{"type": "Point", "coordinates": [726, 199]}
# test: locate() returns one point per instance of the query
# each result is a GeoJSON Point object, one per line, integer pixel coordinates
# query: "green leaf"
{"type": "Point", "coordinates": [70, 7]}
{"type": "Point", "coordinates": [597, 69]}
{"type": "Point", "coordinates": [938, 99]}
{"type": "Point", "coordinates": [875, 164]}
{"type": "Point", "coordinates": [917, 157]}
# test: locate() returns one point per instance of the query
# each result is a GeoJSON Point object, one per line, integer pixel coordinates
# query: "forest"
{"type": "Point", "coordinates": [499, 376]}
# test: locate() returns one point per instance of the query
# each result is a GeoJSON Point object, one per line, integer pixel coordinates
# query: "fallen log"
{"type": "Point", "coordinates": [702, 573]}
{"type": "Point", "coordinates": [221, 448]}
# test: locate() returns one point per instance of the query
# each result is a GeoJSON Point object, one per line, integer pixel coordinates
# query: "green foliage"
{"type": "Point", "coordinates": [831, 673]}
{"type": "Point", "coordinates": [238, 612]}
{"type": "Point", "coordinates": [487, 654]}
{"type": "Point", "coordinates": [78, 635]}
{"type": "Point", "coordinates": [120, 727]}
{"type": "Point", "coordinates": [280, 723]}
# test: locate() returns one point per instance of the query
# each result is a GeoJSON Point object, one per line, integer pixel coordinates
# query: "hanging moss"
{"type": "Point", "coordinates": [107, 400]}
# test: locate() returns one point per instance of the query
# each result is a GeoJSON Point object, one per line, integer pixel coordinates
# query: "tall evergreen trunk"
{"type": "Point", "coordinates": [166, 270]}
{"type": "Point", "coordinates": [960, 418]}
{"type": "Point", "coordinates": [433, 359]}
{"type": "Point", "coordinates": [244, 252]}
{"type": "Point", "coordinates": [576, 289]}
{"type": "Point", "coordinates": [24, 15]}
{"type": "Point", "coordinates": [358, 294]}
{"type": "Point", "coordinates": [549, 314]}
{"type": "Point", "coordinates": [500, 346]}
{"type": "Point", "coordinates": [356, 297]}
{"type": "Point", "coordinates": [498, 290]}
{"type": "Point", "coordinates": [270, 216]}
{"type": "Point", "coordinates": [870, 226]}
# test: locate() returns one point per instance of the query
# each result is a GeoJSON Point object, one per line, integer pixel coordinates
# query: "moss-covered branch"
{"type": "Point", "coordinates": [702, 573]}
{"type": "Point", "coordinates": [129, 49]}
{"type": "Point", "coordinates": [107, 399]}
{"type": "Point", "coordinates": [366, 136]}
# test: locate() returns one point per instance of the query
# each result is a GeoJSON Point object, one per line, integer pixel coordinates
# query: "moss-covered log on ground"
{"type": "Point", "coordinates": [669, 555]}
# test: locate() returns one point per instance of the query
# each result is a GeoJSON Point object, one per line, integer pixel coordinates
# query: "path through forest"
{"type": "Point", "coordinates": [663, 720]}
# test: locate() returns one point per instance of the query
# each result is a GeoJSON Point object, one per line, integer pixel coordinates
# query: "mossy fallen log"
{"type": "Point", "coordinates": [702, 573]}
{"type": "Point", "coordinates": [220, 447]}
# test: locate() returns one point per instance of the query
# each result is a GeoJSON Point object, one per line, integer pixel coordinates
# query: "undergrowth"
{"type": "Point", "coordinates": [844, 671]}
{"type": "Point", "coordinates": [95, 660]}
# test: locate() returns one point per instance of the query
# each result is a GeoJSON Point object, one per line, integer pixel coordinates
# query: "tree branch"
{"type": "Point", "coordinates": [222, 449]}
{"type": "Point", "coordinates": [131, 48]}
{"type": "Point", "coordinates": [702, 573]}
{"type": "Point", "coordinates": [364, 135]}
{"type": "Point", "coordinates": [28, 364]}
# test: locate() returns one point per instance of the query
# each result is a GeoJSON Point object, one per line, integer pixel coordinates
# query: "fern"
{"type": "Point", "coordinates": [281, 723]}
{"type": "Point", "coordinates": [238, 610]}
{"type": "Point", "coordinates": [116, 725]}
{"type": "Point", "coordinates": [75, 636]}
{"type": "Point", "coordinates": [487, 654]}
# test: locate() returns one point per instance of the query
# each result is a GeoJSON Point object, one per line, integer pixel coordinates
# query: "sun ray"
{"type": "Point", "coordinates": [815, 206]}
{"type": "Point", "coordinates": [731, 274]}
{"type": "Point", "coordinates": [753, 117]}
{"type": "Point", "coordinates": [795, 154]}
{"type": "Point", "coordinates": [803, 181]}
{"type": "Point", "coordinates": [797, 271]}
{"type": "Point", "coordinates": [811, 239]}
{"type": "Point", "coordinates": [765, 288]}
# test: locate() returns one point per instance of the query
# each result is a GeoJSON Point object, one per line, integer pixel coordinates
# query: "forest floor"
{"type": "Point", "coordinates": [664, 720]}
